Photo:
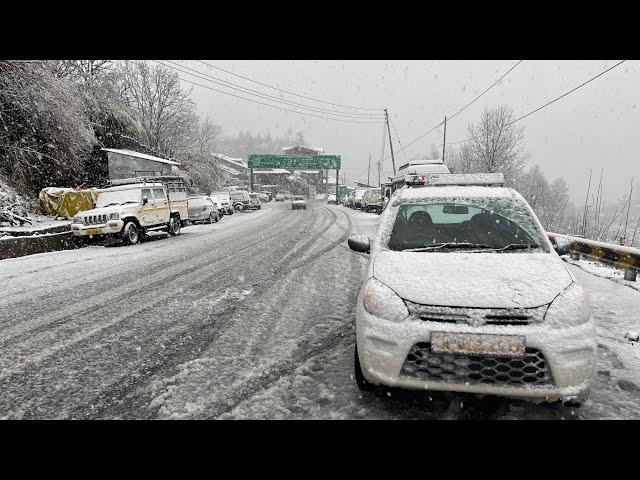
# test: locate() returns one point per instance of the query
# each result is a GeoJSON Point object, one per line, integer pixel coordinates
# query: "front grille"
{"type": "Point", "coordinates": [530, 369]}
{"type": "Point", "coordinates": [477, 316]}
{"type": "Point", "coordinates": [95, 219]}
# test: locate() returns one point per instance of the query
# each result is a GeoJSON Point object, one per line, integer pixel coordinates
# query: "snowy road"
{"type": "Point", "coordinates": [247, 318]}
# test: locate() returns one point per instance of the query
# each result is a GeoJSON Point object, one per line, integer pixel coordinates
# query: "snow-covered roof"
{"type": "Point", "coordinates": [131, 153]}
{"type": "Point", "coordinates": [237, 161]}
{"type": "Point", "coordinates": [418, 193]}
{"type": "Point", "coordinates": [315, 149]}
{"type": "Point", "coordinates": [307, 171]}
{"type": "Point", "coordinates": [228, 169]}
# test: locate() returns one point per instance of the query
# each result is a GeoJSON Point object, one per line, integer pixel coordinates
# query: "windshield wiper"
{"type": "Point", "coordinates": [108, 205]}
{"type": "Point", "coordinates": [518, 246]}
{"type": "Point", "coordinates": [439, 246]}
{"type": "Point", "coordinates": [128, 201]}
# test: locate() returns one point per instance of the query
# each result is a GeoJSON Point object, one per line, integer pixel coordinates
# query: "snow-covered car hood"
{"type": "Point", "coordinates": [108, 210]}
{"type": "Point", "coordinates": [299, 201]}
{"type": "Point", "coordinates": [483, 280]}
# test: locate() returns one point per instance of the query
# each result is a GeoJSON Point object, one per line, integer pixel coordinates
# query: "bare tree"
{"type": "Point", "coordinates": [166, 110]}
{"type": "Point", "coordinates": [496, 144]}
{"type": "Point", "coordinates": [207, 134]}
{"type": "Point", "coordinates": [81, 70]}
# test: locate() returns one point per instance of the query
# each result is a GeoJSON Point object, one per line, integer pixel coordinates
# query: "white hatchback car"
{"type": "Point", "coordinates": [464, 292]}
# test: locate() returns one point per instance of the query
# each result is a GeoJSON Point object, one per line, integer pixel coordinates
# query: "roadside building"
{"type": "Point", "coordinates": [128, 163]}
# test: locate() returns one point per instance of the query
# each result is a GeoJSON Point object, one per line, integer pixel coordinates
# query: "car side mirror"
{"type": "Point", "coordinates": [562, 247]}
{"type": "Point", "coordinates": [359, 243]}
{"type": "Point", "coordinates": [145, 200]}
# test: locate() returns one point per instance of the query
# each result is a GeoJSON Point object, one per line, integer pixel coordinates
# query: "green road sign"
{"type": "Point", "coordinates": [295, 162]}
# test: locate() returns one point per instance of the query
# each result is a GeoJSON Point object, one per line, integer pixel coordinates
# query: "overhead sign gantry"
{"type": "Point", "coordinates": [295, 162]}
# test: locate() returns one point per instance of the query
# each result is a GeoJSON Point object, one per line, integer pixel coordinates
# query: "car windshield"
{"type": "Point", "coordinates": [474, 224]}
{"type": "Point", "coordinates": [118, 197]}
{"type": "Point", "coordinates": [298, 198]}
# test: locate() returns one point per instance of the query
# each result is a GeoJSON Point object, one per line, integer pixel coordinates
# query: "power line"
{"type": "Point", "coordinates": [398, 137]}
{"type": "Point", "coordinates": [217, 81]}
{"type": "Point", "coordinates": [269, 105]}
{"type": "Point", "coordinates": [552, 101]}
{"type": "Point", "coordinates": [565, 94]}
{"type": "Point", "coordinates": [286, 91]}
{"type": "Point", "coordinates": [462, 109]}
{"type": "Point", "coordinates": [490, 87]}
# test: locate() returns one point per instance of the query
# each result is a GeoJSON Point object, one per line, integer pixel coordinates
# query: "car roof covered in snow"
{"type": "Point", "coordinates": [454, 191]}
{"type": "Point", "coordinates": [133, 186]}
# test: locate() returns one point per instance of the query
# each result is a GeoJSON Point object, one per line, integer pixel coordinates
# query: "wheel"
{"type": "Point", "coordinates": [217, 218]}
{"type": "Point", "coordinates": [238, 207]}
{"type": "Point", "coordinates": [130, 233]}
{"type": "Point", "coordinates": [363, 383]}
{"type": "Point", "coordinates": [174, 226]}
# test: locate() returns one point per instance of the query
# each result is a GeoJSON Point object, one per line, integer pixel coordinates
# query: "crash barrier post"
{"type": "Point", "coordinates": [618, 256]}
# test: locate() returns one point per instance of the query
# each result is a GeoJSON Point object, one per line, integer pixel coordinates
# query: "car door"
{"type": "Point", "coordinates": [162, 205]}
{"type": "Point", "coordinates": [148, 210]}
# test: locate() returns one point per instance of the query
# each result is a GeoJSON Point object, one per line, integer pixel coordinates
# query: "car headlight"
{"type": "Point", "coordinates": [570, 308]}
{"type": "Point", "coordinates": [381, 301]}
{"type": "Point", "coordinates": [114, 216]}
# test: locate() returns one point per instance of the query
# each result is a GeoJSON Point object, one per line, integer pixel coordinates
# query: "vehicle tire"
{"type": "Point", "coordinates": [174, 226]}
{"type": "Point", "coordinates": [238, 207]}
{"type": "Point", "coordinates": [130, 233]}
{"type": "Point", "coordinates": [217, 218]}
{"type": "Point", "coordinates": [363, 383]}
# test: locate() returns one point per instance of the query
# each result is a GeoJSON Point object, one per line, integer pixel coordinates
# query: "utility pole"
{"type": "Point", "coordinates": [444, 142]}
{"type": "Point", "coordinates": [369, 170]}
{"type": "Point", "coordinates": [393, 160]}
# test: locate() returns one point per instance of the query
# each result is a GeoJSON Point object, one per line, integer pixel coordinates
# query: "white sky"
{"type": "Point", "coordinates": [598, 126]}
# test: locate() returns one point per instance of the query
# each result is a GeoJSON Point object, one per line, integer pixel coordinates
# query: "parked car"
{"type": "Point", "coordinates": [357, 198]}
{"type": "Point", "coordinates": [202, 209]}
{"type": "Point", "coordinates": [464, 292]}
{"type": "Point", "coordinates": [372, 200]}
{"type": "Point", "coordinates": [224, 202]}
{"type": "Point", "coordinates": [348, 199]}
{"type": "Point", "coordinates": [331, 198]}
{"type": "Point", "coordinates": [298, 203]}
{"type": "Point", "coordinates": [128, 212]}
{"type": "Point", "coordinates": [279, 197]}
{"type": "Point", "coordinates": [256, 203]}
{"type": "Point", "coordinates": [264, 198]}
{"type": "Point", "coordinates": [175, 188]}
{"type": "Point", "coordinates": [240, 200]}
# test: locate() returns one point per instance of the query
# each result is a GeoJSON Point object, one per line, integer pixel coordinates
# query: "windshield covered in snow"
{"type": "Point", "coordinates": [499, 224]}
{"type": "Point", "coordinates": [298, 198]}
{"type": "Point", "coordinates": [118, 197]}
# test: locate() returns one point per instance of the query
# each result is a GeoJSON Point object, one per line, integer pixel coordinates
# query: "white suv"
{"type": "Point", "coordinates": [464, 292]}
{"type": "Point", "coordinates": [128, 212]}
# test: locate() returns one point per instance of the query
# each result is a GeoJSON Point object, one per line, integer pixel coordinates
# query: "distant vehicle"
{"type": "Point", "coordinates": [464, 292]}
{"type": "Point", "coordinates": [348, 199]}
{"type": "Point", "coordinates": [224, 201]}
{"type": "Point", "coordinates": [331, 199]}
{"type": "Point", "coordinates": [240, 200]}
{"type": "Point", "coordinates": [420, 168]}
{"type": "Point", "coordinates": [372, 200]}
{"type": "Point", "coordinates": [264, 198]}
{"type": "Point", "coordinates": [279, 197]}
{"type": "Point", "coordinates": [288, 196]}
{"type": "Point", "coordinates": [202, 209]}
{"type": "Point", "coordinates": [267, 195]}
{"type": "Point", "coordinates": [357, 198]}
{"type": "Point", "coordinates": [256, 203]}
{"type": "Point", "coordinates": [128, 212]}
{"type": "Point", "coordinates": [298, 203]}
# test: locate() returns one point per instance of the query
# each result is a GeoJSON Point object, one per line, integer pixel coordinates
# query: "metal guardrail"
{"type": "Point", "coordinates": [618, 256]}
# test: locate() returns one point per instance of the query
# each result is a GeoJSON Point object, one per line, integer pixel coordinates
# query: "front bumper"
{"type": "Point", "coordinates": [570, 354]}
{"type": "Point", "coordinates": [110, 228]}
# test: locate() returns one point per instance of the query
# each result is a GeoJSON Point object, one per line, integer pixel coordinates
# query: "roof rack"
{"type": "Point", "coordinates": [461, 179]}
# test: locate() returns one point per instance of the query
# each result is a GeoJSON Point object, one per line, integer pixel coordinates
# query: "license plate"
{"type": "Point", "coordinates": [93, 231]}
{"type": "Point", "coordinates": [478, 344]}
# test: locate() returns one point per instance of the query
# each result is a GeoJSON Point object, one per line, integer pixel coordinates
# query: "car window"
{"type": "Point", "coordinates": [158, 194]}
{"type": "Point", "coordinates": [146, 192]}
{"type": "Point", "coordinates": [494, 225]}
